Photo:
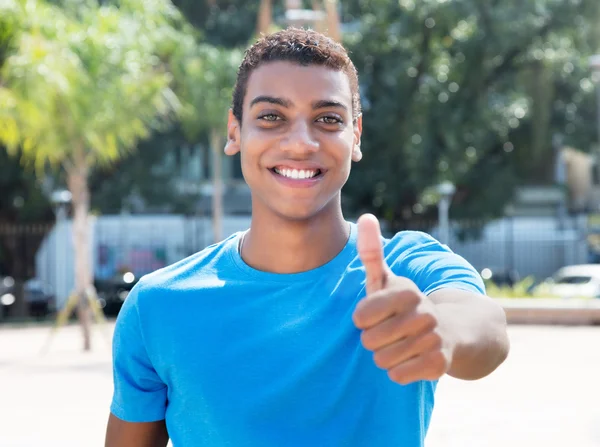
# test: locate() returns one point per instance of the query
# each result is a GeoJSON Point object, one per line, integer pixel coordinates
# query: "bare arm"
{"type": "Point", "coordinates": [129, 434]}
{"type": "Point", "coordinates": [478, 327]}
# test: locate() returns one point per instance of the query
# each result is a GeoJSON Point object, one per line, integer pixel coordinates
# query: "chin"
{"type": "Point", "coordinates": [296, 211]}
{"type": "Point", "coordinates": [296, 214]}
{"type": "Point", "coordinates": [294, 207]}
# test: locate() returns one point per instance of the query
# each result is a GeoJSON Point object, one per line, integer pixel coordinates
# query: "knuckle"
{"type": "Point", "coordinates": [439, 363]}
{"type": "Point", "coordinates": [400, 377]}
{"type": "Point", "coordinates": [380, 360]}
{"type": "Point", "coordinates": [397, 376]}
{"type": "Point", "coordinates": [413, 297]}
{"type": "Point", "coordinates": [434, 340]}
{"type": "Point", "coordinates": [429, 320]}
{"type": "Point", "coordinates": [367, 340]}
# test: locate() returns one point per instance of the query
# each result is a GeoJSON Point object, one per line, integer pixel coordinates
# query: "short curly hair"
{"type": "Point", "coordinates": [300, 46]}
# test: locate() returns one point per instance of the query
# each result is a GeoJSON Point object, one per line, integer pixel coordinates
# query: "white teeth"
{"type": "Point", "coordinates": [296, 173]}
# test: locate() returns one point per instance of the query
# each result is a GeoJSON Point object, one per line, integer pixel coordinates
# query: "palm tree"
{"type": "Point", "coordinates": [79, 88]}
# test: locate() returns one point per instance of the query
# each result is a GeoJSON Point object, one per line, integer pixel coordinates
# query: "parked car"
{"type": "Point", "coordinates": [573, 281]}
{"type": "Point", "coordinates": [112, 292]}
{"type": "Point", "coordinates": [7, 295]}
{"type": "Point", "coordinates": [40, 303]}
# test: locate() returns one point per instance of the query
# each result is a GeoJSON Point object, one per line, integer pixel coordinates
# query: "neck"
{"type": "Point", "coordinates": [279, 245]}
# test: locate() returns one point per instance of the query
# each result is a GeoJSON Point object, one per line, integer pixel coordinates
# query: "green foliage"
{"type": "Point", "coordinates": [229, 23]}
{"type": "Point", "coordinates": [470, 91]}
{"type": "Point", "coordinates": [205, 77]}
{"type": "Point", "coordinates": [85, 80]}
{"type": "Point", "coordinates": [521, 289]}
{"type": "Point", "coordinates": [524, 289]}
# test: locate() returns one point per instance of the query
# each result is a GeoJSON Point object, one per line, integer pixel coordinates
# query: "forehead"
{"type": "Point", "coordinates": [301, 84]}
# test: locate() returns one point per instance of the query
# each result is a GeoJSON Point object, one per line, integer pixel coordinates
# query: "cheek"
{"type": "Point", "coordinates": [245, 161]}
{"type": "Point", "coordinates": [250, 160]}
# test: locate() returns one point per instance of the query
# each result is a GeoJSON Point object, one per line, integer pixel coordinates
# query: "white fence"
{"type": "Point", "coordinates": [139, 244]}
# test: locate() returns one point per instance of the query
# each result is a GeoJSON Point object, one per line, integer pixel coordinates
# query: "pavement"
{"type": "Point", "coordinates": [546, 394]}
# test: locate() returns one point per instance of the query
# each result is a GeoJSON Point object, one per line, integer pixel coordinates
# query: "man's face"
{"type": "Point", "coordinates": [297, 138]}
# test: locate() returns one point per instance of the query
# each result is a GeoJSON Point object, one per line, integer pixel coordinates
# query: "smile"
{"type": "Point", "coordinates": [298, 176]}
{"type": "Point", "coordinates": [297, 173]}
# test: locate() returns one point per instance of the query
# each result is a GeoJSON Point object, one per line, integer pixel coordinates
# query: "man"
{"type": "Point", "coordinates": [306, 330]}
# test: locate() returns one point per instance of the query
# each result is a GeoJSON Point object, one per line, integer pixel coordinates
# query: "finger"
{"type": "Point", "coordinates": [382, 305]}
{"type": "Point", "coordinates": [403, 350]}
{"type": "Point", "coordinates": [370, 251]}
{"type": "Point", "coordinates": [385, 333]}
{"type": "Point", "coordinates": [396, 328]}
{"type": "Point", "coordinates": [428, 366]}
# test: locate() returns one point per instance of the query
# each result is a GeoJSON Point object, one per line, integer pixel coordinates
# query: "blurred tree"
{"type": "Point", "coordinates": [227, 23]}
{"type": "Point", "coordinates": [144, 184]}
{"type": "Point", "coordinates": [81, 85]}
{"type": "Point", "coordinates": [469, 91]}
{"type": "Point", "coordinates": [205, 79]}
{"type": "Point", "coordinates": [22, 201]}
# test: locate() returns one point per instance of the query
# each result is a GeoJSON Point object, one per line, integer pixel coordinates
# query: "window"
{"type": "Point", "coordinates": [578, 280]}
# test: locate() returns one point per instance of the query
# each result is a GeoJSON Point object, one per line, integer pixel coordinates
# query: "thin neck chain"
{"type": "Point", "coordinates": [241, 243]}
{"type": "Point", "coordinates": [243, 238]}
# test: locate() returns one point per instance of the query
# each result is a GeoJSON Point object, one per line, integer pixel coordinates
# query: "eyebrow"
{"type": "Point", "coordinates": [321, 104]}
{"type": "Point", "coordinates": [271, 100]}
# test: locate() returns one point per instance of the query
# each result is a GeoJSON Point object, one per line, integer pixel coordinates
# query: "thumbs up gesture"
{"type": "Point", "coordinates": [399, 323]}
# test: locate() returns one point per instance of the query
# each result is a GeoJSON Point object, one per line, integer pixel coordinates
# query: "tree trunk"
{"type": "Point", "coordinates": [265, 16]}
{"type": "Point", "coordinates": [333, 20]}
{"type": "Point", "coordinates": [320, 25]}
{"type": "Point", "coordinates": [78, 185]}
{"type": "Point", "coordinates": [216, 143]}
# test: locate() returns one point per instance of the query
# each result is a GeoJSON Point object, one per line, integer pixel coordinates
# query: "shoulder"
{"type": "Point", "coordinates": [188, 272]}
{"type": "Point", "coordinates": [407, 243]}
{"type": "Point", "coordinates": [429, 263]}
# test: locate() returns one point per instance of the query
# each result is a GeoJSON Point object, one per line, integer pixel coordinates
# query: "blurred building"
{"type": "Point", "coordinates": [195, 178]}
{"type": "Point", "coordinates": [582, 189]}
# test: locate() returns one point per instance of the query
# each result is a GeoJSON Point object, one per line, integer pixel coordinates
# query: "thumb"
{"type": "Point", "coordinates": [370, 251]}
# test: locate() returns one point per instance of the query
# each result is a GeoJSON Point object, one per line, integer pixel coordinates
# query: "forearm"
{"type": "Point", "coordinates": [135, 434]}
{"type": "Point", "coordinates": [477, 327]}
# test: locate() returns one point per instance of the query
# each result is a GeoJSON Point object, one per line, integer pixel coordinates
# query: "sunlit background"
{"type": "Point", "coordinates": [481, 127]}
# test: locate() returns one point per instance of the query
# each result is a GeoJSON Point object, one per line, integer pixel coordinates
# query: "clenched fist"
{"type": "Point", "coordinates": [398, 322]}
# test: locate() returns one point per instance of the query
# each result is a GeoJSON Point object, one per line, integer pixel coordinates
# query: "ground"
{"type": "Point", "coordinates": [546, 394]}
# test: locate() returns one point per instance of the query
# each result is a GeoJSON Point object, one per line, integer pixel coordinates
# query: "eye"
{"type": "Point", "coordinates": [269, 117]}
{"type": "Point", "coordinates": [330, 120]}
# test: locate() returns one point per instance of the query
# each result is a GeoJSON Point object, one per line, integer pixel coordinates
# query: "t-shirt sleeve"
{"type": "Point", "coordinates": [139, 393]}
{"type": "Point", "coordinates": [430, 264]}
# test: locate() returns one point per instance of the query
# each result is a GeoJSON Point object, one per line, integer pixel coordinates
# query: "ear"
{"type": "Point", "coordinates": [356, 152]}
{"type": "Point", "coordinates": [232, 146]}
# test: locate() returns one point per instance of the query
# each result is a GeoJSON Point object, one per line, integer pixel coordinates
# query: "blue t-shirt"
{"type": "Point", "coordinates": [233, 356]}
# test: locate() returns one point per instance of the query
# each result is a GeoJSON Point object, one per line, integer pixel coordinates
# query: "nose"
{"type": "Point", "coordinates": [299, 140]}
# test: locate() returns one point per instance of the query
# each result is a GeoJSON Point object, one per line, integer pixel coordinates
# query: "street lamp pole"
{"type": "Point", "coordinates": [446, 190]}
{"type": "Point", "coordinates": [595, 67]}
{"type": "Point", "coordinates": [60, 200]}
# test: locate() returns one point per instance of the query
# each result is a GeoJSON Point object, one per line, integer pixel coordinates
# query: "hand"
{"type": "Point", "coordinates": [398, 322]}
